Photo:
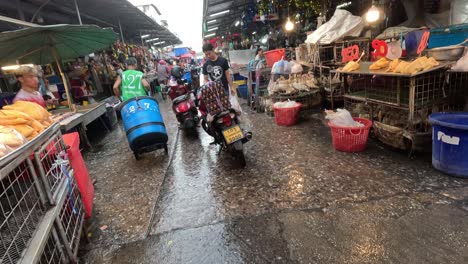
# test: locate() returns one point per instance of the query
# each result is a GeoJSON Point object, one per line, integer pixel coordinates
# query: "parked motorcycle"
{"type": "Point", "coordinates": [224, 127]}
{"type": "Point", "coordinates": [183, 103]}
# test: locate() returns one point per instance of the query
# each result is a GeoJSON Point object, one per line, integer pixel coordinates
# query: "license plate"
{"type": "Point", "coordinates": [233, 134]}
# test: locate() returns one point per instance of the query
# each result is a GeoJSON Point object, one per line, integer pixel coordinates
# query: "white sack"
{"type": "Point", "coordinates": [341, 25]}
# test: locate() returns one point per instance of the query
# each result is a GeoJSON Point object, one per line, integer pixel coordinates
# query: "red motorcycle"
{"type": "Point", "coordinates": [183, 104]}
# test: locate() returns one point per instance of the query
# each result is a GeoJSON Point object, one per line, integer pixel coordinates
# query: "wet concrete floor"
{"type": "Point", "coordinates": [297, 201]}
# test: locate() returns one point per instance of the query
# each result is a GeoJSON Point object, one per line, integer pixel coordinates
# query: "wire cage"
{"type": "Point", "coordinates": [53, 252]}
{"type": "Point", "coordinates": [302, 53]}
{"type": "Point", "coordinates": [362, 43]}
{"type": "Point", "coordinates": [457, 83]}
{"type": "Point", "coordinates": [321, 53]}
{"type": "Point", "coordinates": [71, 217]}
{"type": "Point", "coordinates": [414, 92]}
{"type": "Point", "coordinates": [47, 159]}
{"type": "Point", "coordinates": [393, 124]}
{"type": "Point", "coordinates": [21, 209]}
{"type": "Point", "coordinates": [41, 212]}
{"type": "Point", "coordinates": [309, 100]}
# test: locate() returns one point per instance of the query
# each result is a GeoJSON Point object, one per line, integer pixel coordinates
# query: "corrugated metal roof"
{"type": "Point", "coordinates": [104, 13]}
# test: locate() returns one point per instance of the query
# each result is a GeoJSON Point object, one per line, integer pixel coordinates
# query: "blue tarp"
{"type": "Point", "coordinates": [180, 51]}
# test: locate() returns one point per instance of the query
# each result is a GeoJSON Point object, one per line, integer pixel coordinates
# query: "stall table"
{"type": "Point", "coordinates": [82, 118]}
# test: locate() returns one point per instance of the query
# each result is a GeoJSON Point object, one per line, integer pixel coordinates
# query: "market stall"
{"type": "Point", "coordinates": [43, 45]}
{"type": "Point", "coordinates": [44, 179]}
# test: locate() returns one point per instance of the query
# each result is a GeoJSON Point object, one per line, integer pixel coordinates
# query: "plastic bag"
{"type": "Point", "coordinates": [10, 139]}
{"type": "Point", "coordinates": [462, 64]}
{"type": "Point", "coordinates": [343, 118]}
{"type": "Point", "coordinates": [295, 67]}
{"type": "Point", "coordinates": [272, 86]}
{"type": "Point", "coordinates": [287, 104]}
{"type": "Point", "coordinates": [4, 150]}
{"type": "Point", "coordinates": [281, 67]}
{"type": "Point", "coordinates": [341, 24]}
{"type": "Point", "coordinates": [235, 103]}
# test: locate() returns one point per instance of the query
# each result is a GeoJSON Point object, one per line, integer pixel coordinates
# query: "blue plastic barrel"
{"type": "Point", "coordinates": [143, 123]}
{"type": "Point", "coordinates": [450, 143]}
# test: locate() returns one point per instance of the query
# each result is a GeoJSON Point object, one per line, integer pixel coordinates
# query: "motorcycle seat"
{"type": "Point", "coordinates": [179, 99]}
{"type": "Point", "coordinates": [221, 114]}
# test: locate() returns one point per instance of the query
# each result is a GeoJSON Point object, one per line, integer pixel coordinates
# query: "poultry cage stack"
{"type": "Point", "coordinates": [319, 54]}
{"type": "Point", "coordinates": [327, 58]}
{"type": "Point", "coordinates": [301, 88]}
{"type": "Point", "coordinates": [330, 84]}
{"type": "Point", "coordinates": [42, 213]}
{"type": "Point", "coordinates": [258, 83]}
{"type": "Point", "coordinates": [399, 104]}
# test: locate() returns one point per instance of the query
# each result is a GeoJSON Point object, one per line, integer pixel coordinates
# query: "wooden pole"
{"type": "Point", "coordinates": [121, 33]}
{"type": "Point", "coordinates": [64, 79]}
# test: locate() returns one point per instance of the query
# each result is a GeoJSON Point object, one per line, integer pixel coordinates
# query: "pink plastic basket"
{"type": "Point", "coordinates": [351, 139]}
{"type": "Point", "coordinates": [287, 116]}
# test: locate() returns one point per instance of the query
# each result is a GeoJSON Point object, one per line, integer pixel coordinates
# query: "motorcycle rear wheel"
{"type": "Point", "coordinates": [239, 153]}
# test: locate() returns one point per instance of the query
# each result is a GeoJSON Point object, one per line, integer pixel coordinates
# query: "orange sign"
{"type": "Point", "coordinates": [350, 53]}
{"type": "Point", "coordinates": [423, 43]}
{"type": "Point", "coordinates": [380, 47]}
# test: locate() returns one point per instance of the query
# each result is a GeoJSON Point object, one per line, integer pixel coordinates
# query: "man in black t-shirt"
{"type": "Point", "coordinates": [216, 68]}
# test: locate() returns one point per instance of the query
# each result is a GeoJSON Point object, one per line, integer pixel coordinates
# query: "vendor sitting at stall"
{"type": "Point", "coordinates": [27, 76]}
{"type": "Point", "coordinates": [132, 82]}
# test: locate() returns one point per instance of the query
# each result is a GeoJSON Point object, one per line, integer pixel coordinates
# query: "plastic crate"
{"type": "Point", "coordinates": [446, 36]}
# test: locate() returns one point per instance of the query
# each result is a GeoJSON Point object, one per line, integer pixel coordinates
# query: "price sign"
{"type": "Point", "coordinates": [350, 53]}
{"type": "Point", "coordinates": [423, 43]}
{"type": "Point", "coordinates": [380, 47]}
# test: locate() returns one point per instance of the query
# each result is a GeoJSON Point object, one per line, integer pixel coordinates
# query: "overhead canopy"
{"type": "Point", "coordinates": [104, 13]}
{"type": "Point", "coordinates": [225, 22]}
{"type": "Point", "coordinates": [45, 44]}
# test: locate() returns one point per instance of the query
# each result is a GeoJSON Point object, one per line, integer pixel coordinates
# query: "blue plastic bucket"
{"type": "Point", "coordinates": [143, 122]}
{"type": "Point", "coordinates": [450, 143]}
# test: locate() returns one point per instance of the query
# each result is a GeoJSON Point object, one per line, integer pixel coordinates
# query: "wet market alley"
{"type": "Point", "coordinates": [297, 201]}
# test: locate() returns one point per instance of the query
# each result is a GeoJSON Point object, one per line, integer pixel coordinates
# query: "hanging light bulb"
{"type": "Point", "coordinates": [289, 25]}
{"type": "Point", "coordinates": [373, 14]}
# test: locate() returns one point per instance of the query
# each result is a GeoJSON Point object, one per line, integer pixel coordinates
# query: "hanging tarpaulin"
{"type": "Point", "coordinates": [180, 51]}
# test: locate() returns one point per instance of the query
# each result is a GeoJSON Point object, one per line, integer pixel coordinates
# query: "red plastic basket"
{"type": "Point", "coordinates": [287, 116]}
{"type": "Point", "coordinates": [351, 139]}
{"type": "Point", "coordinates": [273, 56]}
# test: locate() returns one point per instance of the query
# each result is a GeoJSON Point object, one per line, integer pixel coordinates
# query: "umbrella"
{"type": "Point", "coordinates": [46, 44]}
